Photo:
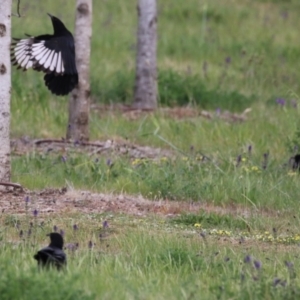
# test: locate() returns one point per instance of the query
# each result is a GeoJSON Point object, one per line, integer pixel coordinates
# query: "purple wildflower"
{"type": "Point", "coordinates": [294, 103]}
{"type": "Point", "coordinates": [228, 60]}
{"type": "Point", "coordinates": [247, 259]}
{"type": "Point", "coordinates": [203, 235]}
{"type": "Point", "coordinates": [75, 227]}
{"type": "Point", "coordinates": [105, 224]}
{"type": "Point", "coordinates": [63, 158]}
{"type": "Point", "coordinates": [90, 245]}
{"type": "Point", "coordinates": [276, 281]}
{"type": "Point", "coordinates": [257, 264]}
{"type": "Point", "coordinates": [27, 199]}
{"type": "Point", "coordinates": [238, 160]}
{"type": "Point", "coordinates": [109, 163]}
{"type": "Point", "coordinates": [55, 228]}
{"type": "Point", "coordinates": [284, 15]}
{"type": "Point", "coordinates": [62, 232]}
{"type": "Point", "coordinates": [35, 213]}
{"type": "Point", "coordinates": [265, 160]}
{"type": "Point", "coordinates": [289, 264]}
{"type": "Point", "coordinates": [29, 232]}
{"type": "Point", "coordinates": [21, 233]}
{"type": "Point", "coordinates": [249, 149]}
{"type": "Point", "coordinates": [72, 246]}
{"type": "Point", "coordinates": [283, 283]}
{"type": "Point", "coordinates": [280, 101]}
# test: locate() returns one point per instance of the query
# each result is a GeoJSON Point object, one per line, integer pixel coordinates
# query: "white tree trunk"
{"type": "Point", "coordinates": [79, 103]}
{"type": "Point", "coordinates": [5, 88]}
{"type": "Point", "coordinates": [145, 91]}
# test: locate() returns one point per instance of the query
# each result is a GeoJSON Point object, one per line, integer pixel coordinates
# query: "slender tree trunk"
{"type": "Point", "coordinates": [145, 91]}
{"type": "Point", "coordinates": [5, 88]}
{"type": "Point", "coordinates": [79, 103]}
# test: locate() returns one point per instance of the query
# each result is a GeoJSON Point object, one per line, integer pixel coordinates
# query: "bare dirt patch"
{"type": "Point", "coordinates": [182, 112]}
{"type": "Point", "coordinates": [50, 201]}
{"type": "Point", "coordinates": [116, 146]}
{"type": "Point", "coordinates": [54, 201]}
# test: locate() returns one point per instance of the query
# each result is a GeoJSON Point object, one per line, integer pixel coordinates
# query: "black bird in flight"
{"type": "Point", "coordinates": [53, 255]}
{"type": "Point", "coordinates": [51, 54]}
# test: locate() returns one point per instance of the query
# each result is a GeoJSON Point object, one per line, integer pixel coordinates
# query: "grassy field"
{"type": "Point", "coordinates": [212, 56]}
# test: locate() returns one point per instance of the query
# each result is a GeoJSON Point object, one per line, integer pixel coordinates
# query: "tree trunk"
{"type": "Point", "coordinates": [79, 103]}
{"type": "Point", "coordinates": [145, 90]}
{"type": "Point", "coordinates": [5, 88]}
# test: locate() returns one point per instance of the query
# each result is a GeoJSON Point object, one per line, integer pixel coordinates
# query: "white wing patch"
{"type": "Point", "coordinates": [49, 60]}
{"type": "Point", "coordinates": [29, 54]}
{"type": "Point", "coordinates": [21, 53]}
{"type": "Point", "coordinates": [53, 62]}
{"type": "Point", "coordinates": [59, 67]}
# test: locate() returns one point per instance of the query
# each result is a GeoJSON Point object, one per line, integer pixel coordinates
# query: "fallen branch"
{"type": "Point", "coordinates": [11, 184]}
{"type": "Point", "coordinates": [45, 141]}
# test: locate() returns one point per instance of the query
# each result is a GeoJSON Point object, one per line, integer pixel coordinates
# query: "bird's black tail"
{"type": "Point", "coordinates": [61, 84]}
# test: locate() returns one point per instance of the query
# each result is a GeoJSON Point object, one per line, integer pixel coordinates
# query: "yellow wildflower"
{"type": "Point", "coordinates": [245, 169]}
{"type": "Point", "coordinates": [291, 173]}
{"type": "Point", "coordinates": [136, 161]}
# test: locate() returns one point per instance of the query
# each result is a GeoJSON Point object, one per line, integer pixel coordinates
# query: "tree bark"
{"type": "Point", "coordinates": [5, 88]}
{"type": "Point", "coordinates": [145, 90]}
{"type": "Point", "coordinates": [79, 103]}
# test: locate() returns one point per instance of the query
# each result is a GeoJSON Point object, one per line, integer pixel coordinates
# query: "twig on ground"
{"type": "Point", "coordinates": [45, 141]}
{"type": "Point", "coordinates": [11, 184]}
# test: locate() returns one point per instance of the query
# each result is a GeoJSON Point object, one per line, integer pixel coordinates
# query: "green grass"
{"type": "Point", "coordinates": [140, 258]}
{"type": "Point", "coordinates": [247, 48]}
{"type": "Point", "coordinates": [212, 55]}
{"type": "Point", "coordinates": [189, 175]}
{"type": "Point", "coordinates": [190, 179]}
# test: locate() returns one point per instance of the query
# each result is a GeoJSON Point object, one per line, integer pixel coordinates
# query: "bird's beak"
{"type": "Point", "coordinates": [49, 15]}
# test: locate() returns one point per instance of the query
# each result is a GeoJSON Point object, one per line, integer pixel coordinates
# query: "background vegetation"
{"type": "Point", "coordinates": [212, 55]}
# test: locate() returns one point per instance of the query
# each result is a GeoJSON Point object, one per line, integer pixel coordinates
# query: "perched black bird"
{"type": "Point", "coordinates": [53, 255]}
{"type": "Point", "coordinates": [295, 162]}
{"type": "Point", "coordinates": [52, 54]}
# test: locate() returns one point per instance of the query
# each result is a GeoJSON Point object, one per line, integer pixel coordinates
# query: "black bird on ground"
{"type": "Point", "coordinates": [51, 54]}
{"type": "Point", "coordinates": [295, 162]}
{"type": "Point", "coordinates": [53, 255]}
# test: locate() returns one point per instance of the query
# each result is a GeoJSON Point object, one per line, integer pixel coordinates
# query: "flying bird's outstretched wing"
{"type": "Point", "coordinates": [51, 54]}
